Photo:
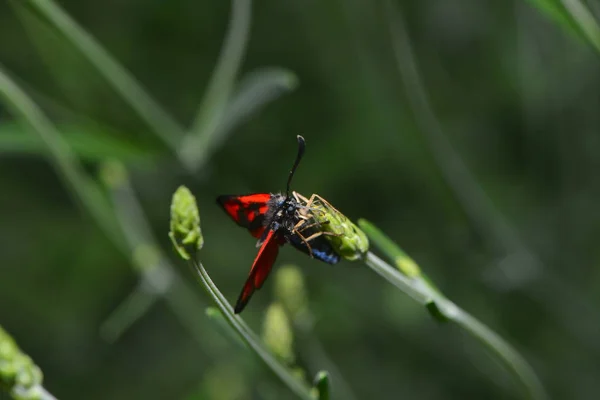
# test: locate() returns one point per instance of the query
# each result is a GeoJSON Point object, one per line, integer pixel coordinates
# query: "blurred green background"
{"type": "Point", "coordinates": [466, 130]}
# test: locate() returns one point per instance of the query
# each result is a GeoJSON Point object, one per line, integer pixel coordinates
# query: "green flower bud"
{"type": "Point", "coordinates": [18, 373]}
{"type": "Point", "coordinates": [277, 333]}
{"type": "Point", "coordinates": [347, 239]}
{"type": "Point", "coordinates": [113, 174]}
{"type": "Point", "coordinates": [185, 230]}
{"type": "Point", "coordinates": [225, 381]}
{"type": "Point", "coordinates": [290, 290]}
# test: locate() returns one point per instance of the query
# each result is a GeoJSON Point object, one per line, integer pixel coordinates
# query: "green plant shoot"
{"type": "Point", "coordinates": [185, 230]}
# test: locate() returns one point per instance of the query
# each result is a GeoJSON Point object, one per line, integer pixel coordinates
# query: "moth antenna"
{"type": "Point", "coordinates": [301, 146]}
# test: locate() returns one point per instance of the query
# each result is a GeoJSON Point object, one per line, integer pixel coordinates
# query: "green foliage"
{"type": "Point", "coordinates": [196, 146]}
{"type": "Point", "coordinates": [114, 73]}
{"type": "Point", "coordinates": [574, 16]}
{"type": "Point", "coordinates": [290, 290]}
{"type": "Point", "coordinates": [506, 90]}
{"type": "Point", "coordinates": [89, 142]}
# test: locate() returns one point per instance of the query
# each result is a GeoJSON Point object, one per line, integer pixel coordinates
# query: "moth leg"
{"type": "Point", "coordinates": [311, 225]}
{"type": "Point", "coordinates": [305, 203]}
{"type": "Point", "coordinates": [325, 202]}
{"type": "Point", "coordinates": [306, 242]}
{"type": "Point", "coordinates": [300, 224]}
{"type": "Point", "coordinates": [317, 234]}
{"type": "Point", "coordinates": [299, 198]}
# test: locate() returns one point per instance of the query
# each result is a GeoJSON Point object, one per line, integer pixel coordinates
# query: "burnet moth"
{"type": "Point", "coordinates": [275, 219]}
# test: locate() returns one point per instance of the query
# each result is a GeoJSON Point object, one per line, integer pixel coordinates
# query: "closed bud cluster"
{"type": "Point", "coordinates": [18, 373]}
{"type": "Point", "coordinates": [277, 333]}
{"type": "Point", "coordinates": [347, 239]}
{"type": "Point", "coordinates": [185, 230]}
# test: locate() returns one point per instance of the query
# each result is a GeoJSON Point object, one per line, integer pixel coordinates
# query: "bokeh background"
{"type": "Point", "coordinates": [466, 130]}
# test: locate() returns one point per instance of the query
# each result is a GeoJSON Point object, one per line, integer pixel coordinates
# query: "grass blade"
{"type": "Point", "coordinates": [574, 16]}
{"type": "Point", "coordinates": [88, 142]}
{"type": "Point", "coordinates": [249, 337]}
{"type": "Point", "coordinates": [116, 75]}
{"type": "Point", "coordinates": [198, 143]}
{"type": "Point", "coordinates": [500, 235]}
{"type": "Point", "coordinates": [255, 91]}
{"type": "Point", "coordinates": [64, 161]}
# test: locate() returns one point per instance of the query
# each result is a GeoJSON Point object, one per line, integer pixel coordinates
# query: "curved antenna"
{"type": "Point", "coordinates": [301, 146]}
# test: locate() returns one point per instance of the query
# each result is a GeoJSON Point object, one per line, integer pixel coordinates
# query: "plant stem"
{"type": "Point", "coordinates": [196, 146]}
{"type": "Point", "coordinates": [421, 291]}
{"type": "Point", "coordinates": [45, 395]}
{"type": "Point", "coordinates": [248, 336]}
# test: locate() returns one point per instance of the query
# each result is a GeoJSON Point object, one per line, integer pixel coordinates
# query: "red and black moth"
{"type": "Point", "coordinates": [275, 219]}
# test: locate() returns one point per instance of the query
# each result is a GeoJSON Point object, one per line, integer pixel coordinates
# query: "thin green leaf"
{"type": "Point", "coordinates": [89, 142]}
{"type": "Point", "coordinates": [248, 336]}
{"type": "Point", "coordinates": [132, 309]}
{"type": "Point", "coordinates": [198, 143]}
{"type": "Point", "coordinates": [585, 20]}
{"type": "Point", "coordinates": [255, 90]}
{"type": "Point", "coordinates": [65, 162]}
{"type": "Point", "coordinates": [116, 75]}
{"type": "Point", "coordinates": [574, 16]}
{"type": "Point", "coordinates": [556, 11]}
{"type": "Point", "coordinates": [215, 314]}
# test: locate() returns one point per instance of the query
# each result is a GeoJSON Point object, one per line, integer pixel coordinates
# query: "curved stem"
{"type": "Point", "coordinates": [203, 135]}
{"type": "Point", "coordinates": [248, 336]}
{"type": "Point", "coordinates": [45, 395]}
{"type": "Point", "coordinates": [421, 291]}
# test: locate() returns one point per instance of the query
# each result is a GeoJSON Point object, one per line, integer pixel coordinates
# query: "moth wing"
{"type": "Point", "coordinates": [263, 263]}
{"type": "Point", "coordinates": [248, 211]}
{"type": "Point", "coordinates": [320, 248]}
